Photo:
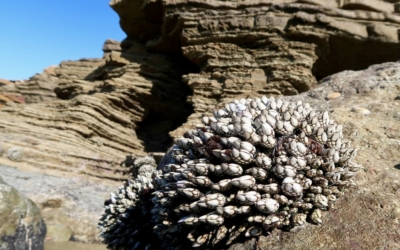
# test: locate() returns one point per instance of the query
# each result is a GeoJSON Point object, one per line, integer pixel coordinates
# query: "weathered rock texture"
{"type": "Point", "coordinates": [104, 110]}
{"type": "Point", "coordinates": [38, 88]}
{"type": "Point", "coordinates": [21, 224]}
{"type": "Point", "coordinates": [250, 47]}
{"type": "Point", "coordinates": [179, 60]}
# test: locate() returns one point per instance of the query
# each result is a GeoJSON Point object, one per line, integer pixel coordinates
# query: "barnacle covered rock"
{"type": "Point", "coordinates": [125, 222]}
{"type": "Point", "coordinates": [256, 165]}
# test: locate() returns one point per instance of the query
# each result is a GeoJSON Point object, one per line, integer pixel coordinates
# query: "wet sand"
{"type": "Point", "coordinates": [69, 245]}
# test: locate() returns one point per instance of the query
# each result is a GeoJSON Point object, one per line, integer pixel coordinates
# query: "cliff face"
{"type": "Point", "coordinates": [100, 111]}
{"type": "Point", "coordinates": [181, 58]}
{"type": "Point", "coordinates": [279, 47]}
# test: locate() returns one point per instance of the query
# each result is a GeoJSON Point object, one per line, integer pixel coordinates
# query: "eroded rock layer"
{"type": "Point", "coordinates": [179, 60]}
{"type": "Point", "coordinates": [102, 109]}
{"type": "Point", "coordinates": [259, 48]}
{"type": "Point", "coordinates": [38, 88]}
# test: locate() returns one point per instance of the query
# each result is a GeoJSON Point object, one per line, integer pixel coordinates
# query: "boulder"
{"type": "Point", "coordinates": [21, 224]}
{"type": "Point", "coordinates": [70, 204]}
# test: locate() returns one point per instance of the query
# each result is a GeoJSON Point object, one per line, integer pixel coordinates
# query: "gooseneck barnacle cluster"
{"type": "Point", "coordinates": [256, 165]}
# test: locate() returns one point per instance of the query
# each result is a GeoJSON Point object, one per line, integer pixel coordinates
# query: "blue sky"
{"type": "Point", "coordinates": [35, 34]}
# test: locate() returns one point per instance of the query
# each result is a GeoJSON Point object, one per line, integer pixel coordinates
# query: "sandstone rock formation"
{"type": "Point", "coordinates": [38, 88]}
{"type": "Point", "coordinates": [101, 113]}
{"type": "Point", "coordinates": [21, 224]}
{"type": "Point", "coordinates": [263, 47]}
{"type": "Point", "coordinates": [181, 58]}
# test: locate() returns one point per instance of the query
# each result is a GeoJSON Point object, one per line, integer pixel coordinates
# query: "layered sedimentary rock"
{"type": "Point", "coordinates": [38, 88]}
{"type": "Point", "coordinates": [179, 60]}
{"type": "Point", "coordinates": [100, 113]}
{"type": "Point", "coordinates": [258, 48]}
